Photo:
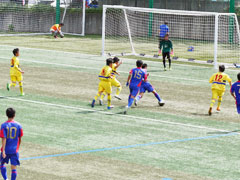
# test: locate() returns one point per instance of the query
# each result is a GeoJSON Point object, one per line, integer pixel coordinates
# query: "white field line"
{"type": "Point", "coordinates": [83, 67]}
{"type": "Point", "coordinates": [65, 52]}
{"type": "Point", "coordinates": [109, 113]}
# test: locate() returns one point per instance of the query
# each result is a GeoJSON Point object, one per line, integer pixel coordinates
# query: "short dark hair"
{"type": "Point", "coordinates": [109, 61]}
{"type": "Point", "coordinates": [139, 63]}
{"type": "Point", "coordinates": [10, 112]}
{"type": "Point", "coordinates": [144, 65]}
{"type": "Point", "coordinates": [15, 51]}
{"type": "Point", "coordinates": [221, 68]}
{"type": "Point", "coordinates": [115, 59]}
{"type": "Point", "coordinates": [165, 22]}
{"type": "Point", "coordinates": [166, 35]}
{"type": "Point", "coordinates": [238, 76]}
{"type": "Point", "coordinates": [62, 24]}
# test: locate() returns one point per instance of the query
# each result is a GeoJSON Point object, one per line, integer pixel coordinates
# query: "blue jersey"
{"type": "Point", "coordinates": [137, 76]}
{"type": "Point", "coordinates": [163, 30]}
{"type": "Point", "coordinates": [12, 131]}
{"type": "Point", "coordinates": [236, 90]}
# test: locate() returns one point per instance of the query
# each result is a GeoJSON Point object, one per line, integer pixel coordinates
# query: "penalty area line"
{"type": "Point", "coordinates": [130, 146]}
{"type": "Point", "coordinates": [110, 113]}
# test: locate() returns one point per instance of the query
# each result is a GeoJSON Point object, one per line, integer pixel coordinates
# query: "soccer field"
{"type": "Point", "coordinates": [66, 139]}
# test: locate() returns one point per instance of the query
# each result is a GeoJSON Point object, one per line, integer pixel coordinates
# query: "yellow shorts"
{"type": "Point", "coordinates": [16, 78]}
{"type": "Point", "coordinates": [115, 82]}
{"type": "Point", "coordinates": [217, 93]}
{"type": "Point", "coordinates": [105, 86]}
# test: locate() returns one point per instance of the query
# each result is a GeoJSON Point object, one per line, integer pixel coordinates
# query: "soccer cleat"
{"type": "Point", "coordinates": [210, 111]}
{"type": "Point", "coordinates": [93, 103]}
{"type": "Point", "coordinates": [117, 97]}
{"type": "Point", "coordinates": [135, 102]}
{"type": "Point", "coordinates": [170, 69]}
{"type": "Point", "coordinates": [110, 107]}
{"type": "Point", "coordinates": [161, 103]}
{"type": "Point", "coordinates": [126, 109]}
{"type": "Point", "coordinates": [8, 86]}
{"type": "Point", "coordinates": [100, 102]}
{"type": "Point", "coordinates": [55, 37]}
{"type": "Point", "coordinates": [22, 94]}
{"type": "Point", "coordinates": [165, 69]}
{"type": "Point", "coordinates": [218, 109]}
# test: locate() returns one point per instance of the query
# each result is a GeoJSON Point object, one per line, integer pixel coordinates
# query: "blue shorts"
{"type": "Point", "coordinates": [14, 158]}
{"type": "Point", "coordinates": [134, 90]}
{"type": "Point", "coordinates": [146, 87]}
{"type": "Point", "coordinates": [238, 108]}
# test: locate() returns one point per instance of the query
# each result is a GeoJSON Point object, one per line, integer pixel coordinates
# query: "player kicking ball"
{"type": "Point", "coordinates": [134, 81]}
{"type": "Point", "coordinates": [105, 83]}
{"type": "Point", "coordinates": [146, 86]}
{"type": "Point", "coordinates": [235, 92]}
{"type": "Point", "coordinates": [114, 81]}
{"type": "Point", "coordinates": [11, 134]}
{"type": "Point", "coordinates": [16, 72]}
{"type": "Point", "coordinates": [218, 81]}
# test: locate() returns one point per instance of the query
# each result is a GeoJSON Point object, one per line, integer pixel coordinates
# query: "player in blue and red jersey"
{"type": "Point", "coordinates": [235, 91]}
{"type": "Point", "coordinates": [135, 78]}
{"type": "Point", "coordinates": [11, 133]}
{"type": "Point", "coordinates": [146, 86]}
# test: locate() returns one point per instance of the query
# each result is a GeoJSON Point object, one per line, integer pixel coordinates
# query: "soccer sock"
{"type": "Point", "coordinates": [14, 174]}
{"type": "Point", "coordinates": [212, 103]}
{"type": "Point", "coordinates": [103, 95]}
{"type": "Point", "coordinates": [170, 61]}
{"type": "Point", "coordinates": [164, 63]}
{"type": "Point", "coordinates": [138, 98]}
{"type": "Point", "coordinates": [4, 171]}
{"type": "Point", "coordinates": [96, 97]}
{"type": "Point", "coordinates": [130, 102]}
{"type": "Point", "coordinates": [109, 100]}
{"type": "Point", "coordinates": [21, 87]}
{"type": "Point", "coordinates": [119, 89]}
{"type": "Point", "coordinates": [157, 96]}
{"type": "Point", "coordinates": [219, 102]}
{"type": "Point", "coordinates": [12, 84]}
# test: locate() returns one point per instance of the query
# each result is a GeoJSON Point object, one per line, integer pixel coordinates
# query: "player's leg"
{"type": "Point", "coordinates": [169, 60]}
{"type": "Point", "coordinates": [220, 98]}
{"type": "Point", "coordinates": [108, 89]}
{"type": "Point", "coordinates": [164, 60]}
{"type": "Point", "coordinates": [133, 93]}
{"type": "Point", "coordinates": [3, 171]}
{"type": "Point", "coordinates": [13, 82]}
{"type": "Point", "coordinates": [100, 91]}
{"type": "Point", "coordinates": [14, 172]}
{"type": "Point", "coordinates": [101, 98]}
{"type": "Point", "coordinates": [20, 82]}
{"type": "Point", "coordinates": [214, 98]}
{"type": "Point", "coordinates": [140, 96]}
{"type": "Point", "coordinates": [14, 163]}
{"type": "Point", "coordinates": [117, 84]}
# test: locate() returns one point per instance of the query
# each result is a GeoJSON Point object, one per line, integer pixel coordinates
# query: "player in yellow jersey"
{"type": "Point", "coordinates": [114, 81]}
{"type": "Point", "coordinates": [218, 81]}
{"type": "Point", "coordinates": [105, 77]}
{"type": "Point", "coordinates": [16, 72]}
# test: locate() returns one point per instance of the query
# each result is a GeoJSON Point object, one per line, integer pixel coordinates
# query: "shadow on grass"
{"type": "Point", "coordinates": [224, 132]}
{"type": "Point", "coordinates": [200, 114]}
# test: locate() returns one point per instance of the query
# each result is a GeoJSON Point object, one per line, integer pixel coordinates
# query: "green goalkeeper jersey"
{"type": "Point", "coordinates": [166, 46]}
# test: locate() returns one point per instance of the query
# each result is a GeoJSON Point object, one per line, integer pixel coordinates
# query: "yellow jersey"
{"type": "Point", "coordinates": [114, 70]}
{"type": "Point", "coordinates": [105, 73]}
{"type": "Point", "coordinates": [15, 69]}
{"type": "Point", "coordinates": [219, 80]}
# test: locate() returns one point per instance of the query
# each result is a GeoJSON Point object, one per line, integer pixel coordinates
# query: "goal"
{"type": "Point", "coordinates": [35, 18]}
{"type": "Point", "coordinates": [204, 36]}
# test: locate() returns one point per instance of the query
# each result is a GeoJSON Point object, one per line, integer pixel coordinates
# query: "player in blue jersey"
{"type": "Point", "coordinates": [146, 86]}
{"type": "Point", "coordinates": [11, 133]}
{"type": "Point", "coordinates": [235, 91]}
{"type": "Point", "coordinates": [134, 81]}
{"type": "Point", "coordinates": [163, 30]}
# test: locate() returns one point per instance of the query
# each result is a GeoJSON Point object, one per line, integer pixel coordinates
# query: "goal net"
{"type": "Point", "coordinates": [204, 36]}
{"type": "Point", "coordinates": [33, 17]}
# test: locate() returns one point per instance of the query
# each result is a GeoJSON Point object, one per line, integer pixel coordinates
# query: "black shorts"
{"type": "Point", "coordinates": [166, 54]}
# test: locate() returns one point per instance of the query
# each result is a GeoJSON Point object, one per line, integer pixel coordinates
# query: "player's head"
{"type": "Point", "coordinates": [238, 76]}
{"type": "Point", "coordinates": [165, 22]}
{"type": "Point", "coordinates": [116, 60]}
{"type": "Point", "coordinates": [10, 112]}
{"type": "Point", "coordinates": [61, 24]}
{"type": "Point", "coordinates": [144, 66]}
{"type": "Point", "coordinates": [139, 63]}
{"type": "Point", "coordinates": [16, 52]}
{"type": "Point", "coordinates": [109, 62]}
{"type": "Point", "coordinates": [166, 37]}
{"type": "Point", "coordinates": [221, 68]}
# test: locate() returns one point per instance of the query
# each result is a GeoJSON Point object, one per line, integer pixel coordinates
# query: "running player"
{"type": "Point", "coordinates": [114, 81]}
{"type": "Point", "coordinates": [235, 92]}
{"type": "Point", "coordinates": [16, 72]}
{"type": "Point", "coordinates": [166, 48]}
{"type": "Point", "coordinates": [105, 82]}
{"type": "Point", "coordinates": [146, 86]}
{"type": "Point", "coordinates": [11, 134]}
{"type": "Point", "coordinates": [134, 81]}
{"type": "Point", "coordinates": [218, 81]}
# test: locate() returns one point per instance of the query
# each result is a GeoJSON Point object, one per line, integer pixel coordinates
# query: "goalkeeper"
{"type": "Point", "coordinates": [56, 30]}
{"type": "Point", "coordinates": [165, 48]}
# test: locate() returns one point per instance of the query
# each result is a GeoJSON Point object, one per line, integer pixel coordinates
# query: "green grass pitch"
{"type": "Point", "coordinates": [178, 141]}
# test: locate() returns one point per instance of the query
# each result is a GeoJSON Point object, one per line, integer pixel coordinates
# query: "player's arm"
{"type": "Point", "coordinates": [4, 140]}
{"type": "Point", "coordinates": [16, 66]}
{"type": "Point", "coordinates": [129, 77]}
{"type": "Point", "coordinates": [171, 47]}
{"type": "Point", "coordinates": [229, 81]}
{"type": "Point", "coordinates": [118, 64]}
{"type": "Point", "coordinates": [211, 79]}
{"type": "Point", "coordinates": [232, 92]}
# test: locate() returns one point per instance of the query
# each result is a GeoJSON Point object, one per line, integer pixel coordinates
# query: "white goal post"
{"type": "Point", "coordinates": [204, 36]}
